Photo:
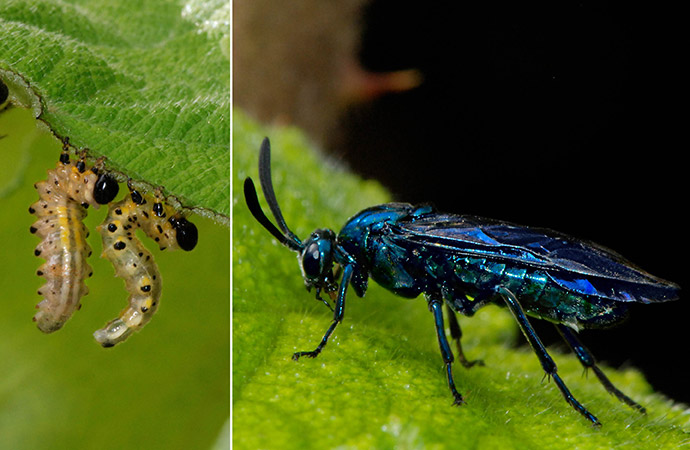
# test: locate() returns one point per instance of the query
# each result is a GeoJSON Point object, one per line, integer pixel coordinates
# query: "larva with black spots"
{"type": "Point", "coordinates": [63, 198]}
{"type": "Point", "coordinates": [134, 263]}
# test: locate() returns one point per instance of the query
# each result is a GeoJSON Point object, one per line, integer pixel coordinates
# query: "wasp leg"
{"type": "Point", "coordinates": [456, 334]}
{"type": "Point", "coordinates": [588, 362]}
{"type": "Point", "coordinates": [436, 308]}
{"type": "Point", "coordinates": [546, 362]}
{"type": "Point", "coordinates": [338, 314]}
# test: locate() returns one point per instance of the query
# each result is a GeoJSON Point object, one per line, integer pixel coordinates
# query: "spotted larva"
{"type": "Point", "coordinates": [63, 199]}
{"type": "Point", "coordinates": [134, 263]}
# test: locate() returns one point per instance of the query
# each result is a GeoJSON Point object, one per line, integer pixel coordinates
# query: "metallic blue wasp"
{"type": "Point", "coordinates": [465, 263]}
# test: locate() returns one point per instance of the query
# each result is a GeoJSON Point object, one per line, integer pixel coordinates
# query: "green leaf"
{"type": "Point", "coordinates": [380, 381]}
{"type": "Point", "coordinates": [144, 83]}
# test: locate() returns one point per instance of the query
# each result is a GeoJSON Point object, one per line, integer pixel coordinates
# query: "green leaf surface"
{"type": "Point", "coordinates": [144, 83]}
{"type": "Point", "coordinates": [380, 381]}
{"type": "Point", "coordinates": [166, 387]}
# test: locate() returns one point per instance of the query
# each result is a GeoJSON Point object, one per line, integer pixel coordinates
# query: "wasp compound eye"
{"type": "Point", "coordinates": [311, 261]}
{"type": "Point", "coordinates": [106, 189]}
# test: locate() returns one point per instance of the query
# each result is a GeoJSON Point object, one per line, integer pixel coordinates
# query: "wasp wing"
{"type": "Point", "coordinates": [576, 265]}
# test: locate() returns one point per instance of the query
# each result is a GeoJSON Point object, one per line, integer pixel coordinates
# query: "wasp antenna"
{"type": "Point", "coordinates": [252, 200]}
{"type": "Point", "coordinates": [269, 193]}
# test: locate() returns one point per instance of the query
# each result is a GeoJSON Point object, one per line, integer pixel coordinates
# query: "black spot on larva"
{"type": "Point", "coordinates": [107, 345]}
{"type": "Point", "coordinates": [118, 211]}
{"type": "Point", "coordinates": [39, 273]}
{"type": "Point", "coordinates": [32, 230]}
{"type": "Point", "coordinates": [112, 227]}
{"type": "Point", "coordinates": [64, 158]}
{"type": "Point", "coordinates": [146, 288]}
{"type": "Point", "coordinates": [90, 274]}
{"type": "Point", "coordinates": [119, 245]}
{"type": "Point", "coordinates": [145, 214]}
{"type": "Point", "coordinates": [157, 239]}
{"type": "Point", "coordinates": [144, 309]}
{"type": "Point", "coordinates": [37, 252]}
{"type": "Point", "coordinates": [89, 254]}
{"type": "Point", "coordinates": [158, 209]}
{"type": "Point", "coordinates": [154, 277]}
{"type": "Point", "coordinates": [137, 198]}
{"type": "Point", "coordinates": [81, 167]}
{"type": "Point", "coordinates": [31, 210]}
{"type": "Point", "coordinates": [141, 254]}
{"type": "Point", "coordinates": [160, 229]}
{"type": "Point", "coordinates": [84, 205]}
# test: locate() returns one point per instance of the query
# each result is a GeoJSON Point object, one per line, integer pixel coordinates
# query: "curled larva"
{"type": "Point", "coordinates": [134, 263]}
{"type": "Point", "coordinates": [61, 208]}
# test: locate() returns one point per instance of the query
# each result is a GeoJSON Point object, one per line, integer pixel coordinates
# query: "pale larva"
{"type": "Point", "coordinates": [134, 263]}
{"type": "Point", "coordinates": [63, 199]}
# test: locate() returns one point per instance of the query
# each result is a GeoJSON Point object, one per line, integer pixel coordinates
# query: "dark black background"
{"type": "Point", "coordinates": [562, 115]}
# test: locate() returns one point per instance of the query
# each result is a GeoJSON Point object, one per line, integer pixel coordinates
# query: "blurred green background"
{"type": "Point", "coordinates": [166, 387]}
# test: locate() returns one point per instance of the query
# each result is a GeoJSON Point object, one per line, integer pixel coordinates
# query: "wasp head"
{"type": "Point", "coordinates": [316, 261]}
{"type": "Point", "coordinates": [316, 253]}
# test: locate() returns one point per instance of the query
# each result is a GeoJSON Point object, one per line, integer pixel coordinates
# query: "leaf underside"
{"type": "Point", "coordinates": [145, 84]}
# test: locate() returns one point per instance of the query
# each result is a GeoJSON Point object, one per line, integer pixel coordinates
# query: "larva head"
{"type": "Point", "coordinates": [4, 93]}
{"type": "Point", "coordinates": [186, 233]}
{"type": "Point", "coordinates": [316, 253]}
{"type": "Point", "coordinates": [106, 188]}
